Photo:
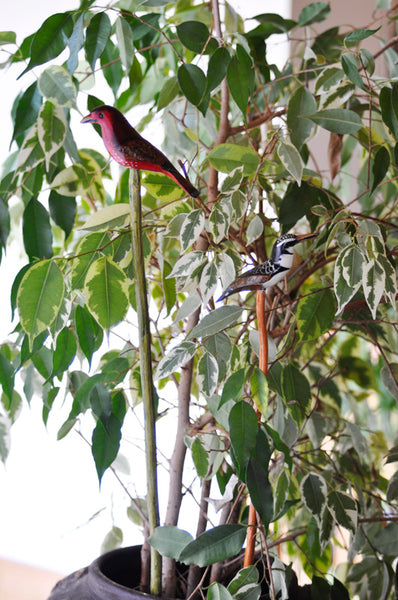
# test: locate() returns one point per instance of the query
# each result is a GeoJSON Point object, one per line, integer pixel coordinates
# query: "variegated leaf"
{"type": "Point", "coordinates": [291, 160]}
{"type": "Point", "coordinates": [177, 357]}
{"type": "Point", "coordinates": [239, 204]}
{"type": "Point", "coordinates": [190, 304]}
{"type": "Point", "coordinates": [187, 263]}
{"type": "Point", "coordinates": [343, 509]}
{"type": "Point", "coordinates": [31, 152]}
{"type": "Point", "coordinates": [255, 229]}
{"type": "Point", "coordinates": [314, 490]}
{"type": "Point", "coordinates": [72, 181]}
{"type": "Point", "coordinates": [51, 129]}
{"type": "Point", "coordinates": [192, 227]}
{"type": "Point", "coordinates": [218, 224]}
{"type": "Point", "coordinates": [226, 269]}
{"type": "Point", "coordinates": [207, 374]}
{"type": "Point", "coordinates": [208, 282]}
{"type": "Point", "coordinates": [233, 180]}
{"type": "Point", "coordinates": [391, 288]}
{"type": "Point", "coordinates": [55, 83]}
{"type": "Point", "coordinates": [346, 281]}
{"type": "Point", "coordinates": [373, 283]}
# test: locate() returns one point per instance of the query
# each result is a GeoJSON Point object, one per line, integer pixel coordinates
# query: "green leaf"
{"type": "Point", "coordinates": [350, 64]}
{"type": "Point", "coordinates": [51, 129]}
{"type": "Point", "coordinates": [227, 157]}
{"type": "Point", "coordinates": [50, 39]}
{"type": "Point", "coordinates": [216, 591]}
{"type": "Point", "coordinates": [5, 438]}
{"type": "Point", "coordinates": [36, 231]}
{"type": "Point", "coordinates": [97, 35]}
{"type": "Point", "coordinates": [214, 545]}
{"type": "Point", "coordinates": [259, 390]}
{"type": "Point", "coordinates": [106, 290]}
{"type": "Point", "coordinates": [62, 211]}
{"type": "Point", "coordinates": [65, 351]}
{"type": "Point", "coordinates": [195, 36]}
{"type": "Point", "coordinates": [380, 166]}
{"type": "Point", "coordinates": [105, 444]}
{"type": "Point", "coordinates": [191, 228]}
{"type": "Point", "coordinates": [301, 102]}
{"type": "Point", "coordinates": [233, 387]}
{"type": "Point", "coordinates": [7, 37]}
{"type": "Point", "coordinates": [192, 82]}
{"type": "Point", "coordinates": [176, 358]}
{"type": "Point", "coordinates": [243, 427]}
{"type": "Point", "coordinates": [291, 160]}
{"type": "Point", "coordinates": [89, 333]}
{"type": "Point", "coordinates": [343, 509]}
{"type": "Point", "coordinates": [387, 98]}
{"type": "Point", "coordinates": [170, 540]}
{"type": "Point", "coordinates": [315, 12]}
{"type": "Point", "coordinates": [314, 491]}
{"type": "Point", "coordinates": [168, 92]}
{"type": "Point", "coordinates": [240, 77]}
{"type": "Point", "coordinates": [358, 35]}
{"type": "Point", "coordinates": [39, 298]}
{"type": "Point", "coordinates": [4, 223]}
{"type": "Point", "coordinates": [260, 490]}
{"type": "Point", "coordinates": [6, 376]}
{"type": "Point", "coordinates": [358, 370]}
{"type": "Point", "coordinates": [125, 42]}
{"type": "Point", "coordinates": [75, 43]}
{"type": "Point", "coordinates": [27, 108]}
{"type": "Point", "coordinates": [111, 67]}
{"type": "Point", "coordinates": [207, 374]}
{"type": "Point", "coordinates": [219, 319]}
{"type": "Point", "coordinates": [200, 458]}
{"type": "Point", "coordinates": [112, 540]}
{"type": "Point", "coordinates": [296, 391]}
{"type": "Point", "coordinates": [315, 313]}
{"type": "Point", "coordinates": [56, 84]}
{"type": "Point", "coordinates": [100, 401]}
{"type": "Point", "coordinates": [386, 540]}
{"type": "Point", "coordinates": [337, 120]}
{"type": "Point", "coordinates": [217, 67]}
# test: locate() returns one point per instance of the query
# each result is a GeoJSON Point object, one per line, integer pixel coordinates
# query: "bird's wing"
{"type": "Point", "coordinates": [139, 149]}
{"type": "Point", "coordinates": [266, 269]}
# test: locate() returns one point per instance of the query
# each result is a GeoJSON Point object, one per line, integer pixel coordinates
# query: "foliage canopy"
{"type": "Point", "coordinates": [320, 467]}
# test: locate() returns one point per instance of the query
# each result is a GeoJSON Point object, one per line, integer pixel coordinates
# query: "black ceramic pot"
{"type": "Point", "coordinates": [112, 576]}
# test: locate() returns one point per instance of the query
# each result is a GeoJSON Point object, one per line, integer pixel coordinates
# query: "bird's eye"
{"type": "Point", "coordinates": [101, 115]}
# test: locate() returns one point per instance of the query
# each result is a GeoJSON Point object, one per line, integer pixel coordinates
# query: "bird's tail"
{"type": "Point", "coordinates": [240, 284]}
{"type": "Point", "coordinates": [181, 180]}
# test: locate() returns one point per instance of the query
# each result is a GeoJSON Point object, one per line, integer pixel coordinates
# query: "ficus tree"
{"type": "Point", "coordinates": [319, 463]}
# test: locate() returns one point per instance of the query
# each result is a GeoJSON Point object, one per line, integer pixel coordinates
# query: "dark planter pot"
{"type": "Point", "coordinates": [112, 576]}
{"type": "Point", "coordinates": [116, 576]}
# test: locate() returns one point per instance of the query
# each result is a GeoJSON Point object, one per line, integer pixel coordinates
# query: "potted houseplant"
{"type": "Point", "coordinates": [283, 398]}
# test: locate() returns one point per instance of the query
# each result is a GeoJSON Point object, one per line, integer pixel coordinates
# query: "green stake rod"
{"type": "Point", "coordinates": [144, 344]}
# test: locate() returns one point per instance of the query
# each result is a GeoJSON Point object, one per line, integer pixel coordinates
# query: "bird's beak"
{"type": "Point", "coordinates": [305, 236]}
{"type": "Point", "coordinates": [88, 119]}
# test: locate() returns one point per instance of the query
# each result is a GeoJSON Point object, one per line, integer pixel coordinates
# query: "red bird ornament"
{"type": "Point", "coordinates": [130, 149]}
